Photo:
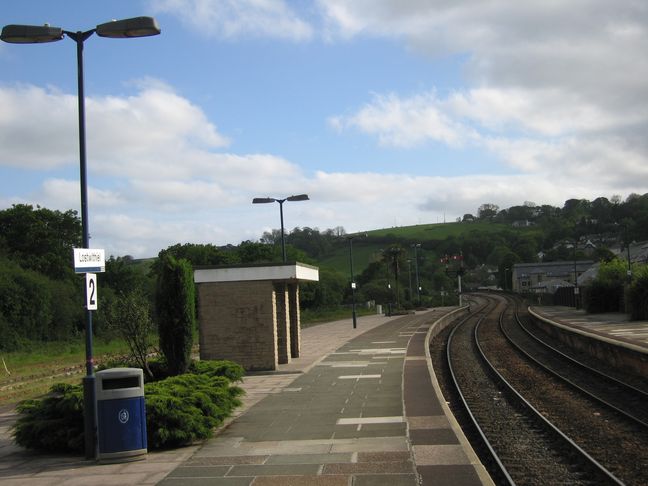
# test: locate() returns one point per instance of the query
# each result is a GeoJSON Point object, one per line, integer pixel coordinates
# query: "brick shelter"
{"type": "Point", "coordinates": [249, 314]}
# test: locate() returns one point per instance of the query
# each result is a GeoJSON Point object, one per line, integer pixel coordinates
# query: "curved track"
{"type": "Point", "coordinates": [512, 401]}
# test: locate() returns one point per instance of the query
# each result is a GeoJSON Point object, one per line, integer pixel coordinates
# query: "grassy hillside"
{"type": "Point", "coordinates": [367, 250]}
{"type": "Point", "coordinates": [427, 232]}
{"type": "Point", "coordinates": [363, 254]}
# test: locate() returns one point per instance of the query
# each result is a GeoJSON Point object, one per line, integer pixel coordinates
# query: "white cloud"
{"type": "Point", "coordinates": [64, 194]}
{"type": "Point", "coordinates": [547, 112]}
{"type": "Point", "coordinates": [556, 86]}
{"type": "Point", "coordinates": [405, 122]}
{"type": "Point", "coordinates": [39, 129]}
{"type": "Point", "coordinates": [239, 18]}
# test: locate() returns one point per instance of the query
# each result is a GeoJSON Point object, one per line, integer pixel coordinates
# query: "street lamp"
{"type": "Point", "coordinates": [353, 284]}
{"type": "Point", "coordinates": [409, 274]}
{"type": "Point", "coordinates": [264, 200]}
{"type": "Point", "coordinates": [34, 34]}
{"type": "Point", "coordinates": [395, 252]}
{"type": "Point", "coordinates": [416, 246]}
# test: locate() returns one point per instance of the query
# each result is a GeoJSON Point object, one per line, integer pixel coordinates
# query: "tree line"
{"type": "Point", "coordinates": [41, 297]}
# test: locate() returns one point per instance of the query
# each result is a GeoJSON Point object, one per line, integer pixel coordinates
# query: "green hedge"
{"type": "Point", "coordinates": [637, 294]}
{"type": "Point", "coordinates": [179, 410]}
{"type": "Point", "coordinates": [603, 297]}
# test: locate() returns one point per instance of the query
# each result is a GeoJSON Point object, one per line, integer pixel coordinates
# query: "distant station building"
{"type": "Point", "coordinates": [547, 277]}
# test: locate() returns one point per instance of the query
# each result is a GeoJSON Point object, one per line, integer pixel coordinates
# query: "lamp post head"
{"type": "Point", "coordinates": [126, 28]}
{"type": "Point", "coordinates": [30, 34]}
{"type": "Point", "coordinates": [264, 200]}
{"type": "Point", "coordinates": [116, 29]}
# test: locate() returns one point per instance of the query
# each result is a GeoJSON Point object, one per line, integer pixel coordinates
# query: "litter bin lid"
{"type": "Point", "coordinates": [119, 383]}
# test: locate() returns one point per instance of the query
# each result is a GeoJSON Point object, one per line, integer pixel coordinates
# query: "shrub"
{"type": "Point", "coordinates": [176, 312]}
{"type": "Point", "coordinates": [129, 316]}
{"type": "Point", "coordinates": [186, 408]}
{"type": "Point", "coordinates": [233, 371]}
{"type": "Point", "coordinates": [603, 296]}
{"type": "Point", "coordinates": [54, 423]}
{"type": "Point", "coordinates": [637, 294]}
{"type": "Point", "coordinates": [605, 293]}
{"type": "Point", "coordinates": [179, 410]}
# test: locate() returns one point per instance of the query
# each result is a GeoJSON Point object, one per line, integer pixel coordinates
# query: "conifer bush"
{"type": "Point", "coordinates": [54, 423]}
{"type": "Point", "coordinates": [176, 311]}
{"type": "Point", "coordinates": [637, 294]}
{"type": "Point", "coordinates": [179, 410]}
{"type": "Point", "coordinates": [186, 408]}
{"type": "Point", "coordinates": [233, 371]}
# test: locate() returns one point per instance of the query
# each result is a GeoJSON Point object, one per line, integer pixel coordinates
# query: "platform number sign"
{"type": "Point", "coordinates": [91, 291]}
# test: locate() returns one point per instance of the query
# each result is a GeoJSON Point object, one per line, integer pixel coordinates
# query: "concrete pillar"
{"type": "Point", "coordinates": [283, 323]}
{"type": "Point", "coordinates": [295, 322]}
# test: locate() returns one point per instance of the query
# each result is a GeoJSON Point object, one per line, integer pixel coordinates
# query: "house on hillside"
{"type": "Point", "coordinates": [638, 252]}
{"type": "Point", "coordinates": [522, 223]}
{"type": "Point", "coordinates": [546, 277]}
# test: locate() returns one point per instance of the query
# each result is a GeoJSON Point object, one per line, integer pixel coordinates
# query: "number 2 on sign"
{"type": "Point", "coordinates": [91, 291]}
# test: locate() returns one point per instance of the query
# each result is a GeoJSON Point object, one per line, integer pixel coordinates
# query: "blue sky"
{"type": "Point", "coordinates": [386, 112]}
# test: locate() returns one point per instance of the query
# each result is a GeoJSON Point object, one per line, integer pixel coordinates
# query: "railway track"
{"type": "Point", "coordinates": [611, 392]}
{"type": "Point", "coordinates": [528, 426]}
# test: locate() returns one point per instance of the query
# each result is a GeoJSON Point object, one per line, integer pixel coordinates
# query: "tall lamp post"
{"type": "Point", "coordinates": [353, 284]}
{"type": "Point", "coordinates": [116, 29]}
{"type": "Point", "coordinates": [409, 276]}
{"type": "Point", "coordinates": [395, 252]}
{"type": "Point", "coordinates": [416, 246]}
{"type": "Point", "coordinates": [265, 200]}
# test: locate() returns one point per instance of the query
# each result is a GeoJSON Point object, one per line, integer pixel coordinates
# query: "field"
{"type": "Point", "coordinates": [366, 251]}
{"type": "Point", "coordinates": [30, 373]}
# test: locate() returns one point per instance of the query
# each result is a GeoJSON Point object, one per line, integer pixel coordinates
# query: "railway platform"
{"type": "Point", "coordinates": [614, 326]}
{"type": "Point", "coordinates": [358, 407]}
{"type": "Point", "coordinates": [609, 336]}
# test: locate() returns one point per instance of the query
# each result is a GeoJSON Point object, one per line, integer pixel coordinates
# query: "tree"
{"type": "Point", "coordinates": [198, 254]}
{"type": "Point", "coordinates": [123, 276]}
{"type": "Point", "coordinates": [576, 210]}
{"type": "Point", "coordinates": [34, 307]}
{"type": "Point", "coordinates": [251, 252]}
{"type": "Point", "coordinates": [327, 293]}
{"type": "Point", "coordinates": [129, 316]}
{"type": "Point", "coordinates": [487, 211]}
{"type": "Point", "coordinates": [40, 239]}
{"type": "Point", "coordinates": [176, 311]}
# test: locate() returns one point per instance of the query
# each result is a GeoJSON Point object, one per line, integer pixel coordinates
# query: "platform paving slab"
{"type": "Point", "coordinates": [288, 431]}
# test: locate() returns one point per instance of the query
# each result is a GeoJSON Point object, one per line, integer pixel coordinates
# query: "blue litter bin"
{"type": "Point", "coordinates": [121, 414]}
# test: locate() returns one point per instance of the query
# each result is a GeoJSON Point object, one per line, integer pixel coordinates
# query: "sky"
{"type": "Point", "coordinates": [385, 112]}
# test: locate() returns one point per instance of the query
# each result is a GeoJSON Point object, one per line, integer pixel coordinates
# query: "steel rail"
{"type": "Point", "coordinates": [503, 472]}
{"type": "Point", "coordinates": [543, 420]}
{"type": "Point", "coordinates": [571, 383]}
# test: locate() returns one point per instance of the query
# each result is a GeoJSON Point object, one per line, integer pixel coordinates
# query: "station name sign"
{"type": "Point", "coordinates": [87, 260]}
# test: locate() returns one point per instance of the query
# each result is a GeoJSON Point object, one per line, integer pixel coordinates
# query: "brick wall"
{"type": "Point", "coordinates": [238, 321]}
{"type": "Point", "coordinates": [283, 322]}
{"type": "Point", "coordinates": [295, 321]}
